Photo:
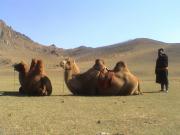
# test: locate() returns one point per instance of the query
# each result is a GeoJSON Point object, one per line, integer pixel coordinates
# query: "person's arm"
{"type": "Point", "coordinates": [166, 61]}
{"type": "Point", "coordinates": [156, 67]}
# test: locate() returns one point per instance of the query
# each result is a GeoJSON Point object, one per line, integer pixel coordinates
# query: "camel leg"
{"type": "Point", "coordinates": [135, 91]}
{"type": "Point", "coordinates": [46, 86]}
{"type": "Point", "coordinates": [139, 89]}
{"type": "Point", "coordinates": [42, 91]}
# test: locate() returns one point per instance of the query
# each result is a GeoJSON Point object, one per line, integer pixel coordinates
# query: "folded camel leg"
{"type": "Point", "coordinates": [42, 91]}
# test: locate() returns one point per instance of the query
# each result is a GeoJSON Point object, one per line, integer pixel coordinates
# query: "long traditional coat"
{"type": "Point", "coordinates": [161, 69]}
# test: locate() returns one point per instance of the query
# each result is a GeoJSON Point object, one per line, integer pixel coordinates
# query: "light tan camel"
{"type": "Point", "coordinates": [132, 83]}
{"type": "Point", "coordinates": [119, 81]}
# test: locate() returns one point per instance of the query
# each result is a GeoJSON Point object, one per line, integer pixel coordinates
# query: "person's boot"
{"type": "Point", "coordinates": [166, 88]}
{"type": "Point", "coordinates": [162, 87]}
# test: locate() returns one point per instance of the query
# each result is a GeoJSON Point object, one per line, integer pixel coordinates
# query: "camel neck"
{"type": "Point", "coordinates": [22, 77]}
{"type": "Point", "coordinates": [67, 75]}
{"type": "Point", "coordinates": [23, 74]}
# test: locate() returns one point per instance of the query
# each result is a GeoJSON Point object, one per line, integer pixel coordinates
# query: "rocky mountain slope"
{"type": "Point", "coordinates": [15, 46]}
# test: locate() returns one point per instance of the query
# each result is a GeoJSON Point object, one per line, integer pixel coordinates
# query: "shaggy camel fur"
{"type": "Point", "coordinates": [34, 82]}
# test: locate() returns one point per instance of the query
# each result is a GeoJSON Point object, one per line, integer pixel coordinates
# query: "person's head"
{"type": "Point", "coordinates": [161, 52]}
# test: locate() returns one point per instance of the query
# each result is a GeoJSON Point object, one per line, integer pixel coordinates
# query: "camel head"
{"type": "Point", "coordinates": [69, 64]}
{"type": "Point", "coordinates": [120, 66]}
{"type": "Point", "coordinates": [21, 67]}
{"type": "Point", "coordinates": [63, 64]}
{"type": "Point", "coordinates": [99, 65]}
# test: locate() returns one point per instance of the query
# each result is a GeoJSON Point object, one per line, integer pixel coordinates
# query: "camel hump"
{"type": "Point", "coordinates": [105, 79]}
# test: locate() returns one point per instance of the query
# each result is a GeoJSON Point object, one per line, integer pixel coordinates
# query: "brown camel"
{"type": "Point", "coordinates": [33, 82]}
{"type": "Point", "coordinates": [38, 82]}
{"type": "Point", "coordinates": [79, 83]}
{"type": "Point", "coordinates": [98, 80]}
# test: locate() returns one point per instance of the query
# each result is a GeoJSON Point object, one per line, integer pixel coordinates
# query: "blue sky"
{"type": "Point", "coordinates": [72, 23]}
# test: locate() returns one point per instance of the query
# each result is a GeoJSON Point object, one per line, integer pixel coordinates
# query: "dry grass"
{"type": "Point", "coordinates": [64, 114]}
{"type": "Point", "coordinates": [153, 113]}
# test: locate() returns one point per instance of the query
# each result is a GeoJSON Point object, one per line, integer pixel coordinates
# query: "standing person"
{"type": "Point", "coordinates": [161, 69]}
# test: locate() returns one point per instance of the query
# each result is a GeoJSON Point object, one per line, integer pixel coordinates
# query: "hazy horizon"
{"type": "Point", "coordinates": [69, 24]}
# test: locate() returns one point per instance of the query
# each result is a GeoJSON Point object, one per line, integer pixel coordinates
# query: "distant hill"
{"type": "Point", "coordinates": [15, 46]}
{"type": "Point", "coordinates": [139, 45]}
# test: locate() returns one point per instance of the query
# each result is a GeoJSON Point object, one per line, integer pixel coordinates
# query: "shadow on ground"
{"type": "Point", "coordinates": [152, 92]}
{"type": "Point", "coordinates": [9, 93]}
{"type": "Point", "coordinates": [15, 93]}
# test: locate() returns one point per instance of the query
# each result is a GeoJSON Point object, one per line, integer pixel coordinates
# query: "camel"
{"type": "Point", "coordinates": [98, 80]}
{"type": "Point", "coordinates": [79, 83]}
{"type": "Point", "coordinates": [33, 81]}
{"type": "Point", "coordinates": [38, 82]}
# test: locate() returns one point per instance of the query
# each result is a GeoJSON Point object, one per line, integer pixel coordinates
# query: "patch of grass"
{"type": "Point", "coordinates": [64, 114]}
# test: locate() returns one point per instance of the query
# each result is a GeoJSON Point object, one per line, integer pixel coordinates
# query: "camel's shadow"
{"type": "Point", "coordinates": [10, 93]}
{"type": "Point", "coordinates": [17, 94]}
{"type": "Point", "coordinates": [151, 92]}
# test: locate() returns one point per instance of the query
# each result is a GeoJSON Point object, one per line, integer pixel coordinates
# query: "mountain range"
{"type": "Point", "coordinates": [15, 46]}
